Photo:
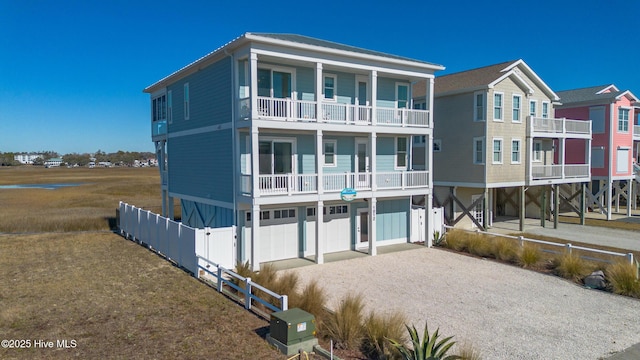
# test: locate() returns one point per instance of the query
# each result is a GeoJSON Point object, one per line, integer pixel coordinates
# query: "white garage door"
{"type": "Point", "coordinates": [278, 238]}
{"type": "Point", "coordinates": [337, 229]}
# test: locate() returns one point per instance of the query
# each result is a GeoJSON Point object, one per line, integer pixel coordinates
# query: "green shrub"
{"type": "Point", "coordinates": [529, 255]}
{"type": "Point", "coordinates": [505, 249]}
{"type": "Point", "coordinates": [429, 348]}
{"type": "Point", "coordinates": [378, 328]}
{"type": "Point", "coordinates": [622, 277]}
{"type": "Point", "coordinates": [344, 326]}
{"type": "Point", "coordinates": [572, 267]}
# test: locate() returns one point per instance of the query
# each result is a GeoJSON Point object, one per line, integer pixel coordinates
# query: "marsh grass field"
{"type": "Point", "coordinates": [65, 276]}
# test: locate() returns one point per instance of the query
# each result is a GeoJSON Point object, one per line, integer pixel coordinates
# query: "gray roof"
{"type": "Point", "coordinates": [587, 94]}
{"type": "Point", "coordinates": [301, 39]}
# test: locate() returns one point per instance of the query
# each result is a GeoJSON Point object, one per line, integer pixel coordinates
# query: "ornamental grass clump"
{"type": "Point", "coordinates": [572, 267]}
{"type": "Point", "coordinates": [505, 249]}
{"type": "Point", "coordinates": [344, 326]}
{"type": "Point", "coordinates": [312, 299]}
{"type": "Point", "coordinates": [530, 255]}
{"type": "Point", "coordinates": [378, 328]}
{"type": "Point", "coordinates": [623, 280]}
{"type": "Point", "coordinates": [479, 245]}
{"type": "Point", "coordinates": [456, 240]}
{"type": "Point", "coordinates": [468, 352]}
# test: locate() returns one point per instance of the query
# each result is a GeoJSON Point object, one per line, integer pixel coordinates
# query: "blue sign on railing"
{"type": "Point", "coordinates": [348, 194]}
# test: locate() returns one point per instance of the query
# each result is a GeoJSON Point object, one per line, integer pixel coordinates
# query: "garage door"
{"type": "Point", "coordinates": [278, 238]}
{"type": "Point", "coordinates": [337, 229]}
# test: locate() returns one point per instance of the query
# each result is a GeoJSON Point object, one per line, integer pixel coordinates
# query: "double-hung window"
{"type": "Point", "coordinates": [330, 87]}
{"type": "Point", "coordinates": [402, 96]}
{"type": "Point", "coordinates": [516, 105]}
{"type": "Point", "coordinates": [479, 107]}
{"type": "Point", "coordinates": [170, 107]}
{"type": "Point", "coordinates": [545, 110]}
{"type": "Point", "coordinates": [497, 151]}
{"type": "Point", "coordinates": [497, 107]}
{"type": "Point", "coordinates": [186, 101]}
{"type": "Point", "coordinates": [532, 108]}
{"type": "Point", "coordinates": [329, 152]}
{"type": "Point", "coordinates": [401, 153]}
{"type": "Point", "coordinates": [623, 120]}
{"type": "Point", "coordinates": [537, 150]}
{"type": "Point", "coordinates": [515, 151]}
{"type": "Point", "coordinates": [478, 150]}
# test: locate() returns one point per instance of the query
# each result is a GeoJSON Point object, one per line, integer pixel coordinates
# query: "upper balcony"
{"type": "Point", "coordinates": [559, 173]}
{"type": "Point", "coordinates": [559, 128]}
{"type": "Point", "coordinates": [636, 132]}
{"type": "Point", "coordinates": [158, 129]}
{"type": "Point", "coordinates": [278, 109]}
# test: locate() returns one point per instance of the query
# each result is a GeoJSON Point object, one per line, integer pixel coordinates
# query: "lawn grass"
{"type": "Point", "coordinates": [115, 298]}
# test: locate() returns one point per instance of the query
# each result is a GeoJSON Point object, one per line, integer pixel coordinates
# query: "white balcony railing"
{"type": "Point", "coordinates": [567, 171]}
{"type": "Point", "coordinates": [289, 184]}
{"type": "Point", "coordinates": [331, 112]}
{"type": "Point", "coordinates": [560, 126]}
{"type": "Point", "coordinates": [636, 131]}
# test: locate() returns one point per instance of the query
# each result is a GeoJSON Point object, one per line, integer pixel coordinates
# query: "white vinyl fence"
{"type": "Point", "coordinates": [207, 253]}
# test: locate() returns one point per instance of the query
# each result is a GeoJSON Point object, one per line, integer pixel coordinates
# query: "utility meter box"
{"type": "Point", "coordinates": [292, 326]}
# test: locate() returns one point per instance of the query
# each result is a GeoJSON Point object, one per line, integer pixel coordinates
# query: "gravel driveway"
{"type": "Point", "coordinates": [504, 311]}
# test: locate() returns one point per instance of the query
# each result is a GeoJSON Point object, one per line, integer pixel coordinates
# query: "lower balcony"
{"type": "Point", "coordinates": [291, 184]}
{"type": "Point", "coordinates": [547, 127]}
{"type": "Point", "coordinates": [560, 173]}
{"type": "Point", "coordinates": [636, 132]}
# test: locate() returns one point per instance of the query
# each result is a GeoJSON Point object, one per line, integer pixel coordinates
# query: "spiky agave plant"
{"type": "Point", "coordinates": [429, 348]}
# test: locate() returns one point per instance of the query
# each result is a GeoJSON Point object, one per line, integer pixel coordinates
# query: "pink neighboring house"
{"type": "Point", "coordinates": [612, 113]}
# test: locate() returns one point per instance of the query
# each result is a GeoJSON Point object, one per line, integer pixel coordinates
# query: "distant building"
{"type": "Point", "coordinates": [53, 162]}
{"type": "Point", "coordinates": [26, 159]}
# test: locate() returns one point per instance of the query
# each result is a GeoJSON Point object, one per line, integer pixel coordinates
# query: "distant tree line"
{"type": "Point", "coordinates": [119, 158]}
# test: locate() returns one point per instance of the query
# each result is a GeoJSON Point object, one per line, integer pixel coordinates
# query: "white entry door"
{"type": "Point", "coordinates": [362, 177]}
{"type": "Point", "coordinates": [362, 114]}
{"type": "Point", "coordinates": [362, 228]}
{"type": "Point", "coordinates": [477, 211]}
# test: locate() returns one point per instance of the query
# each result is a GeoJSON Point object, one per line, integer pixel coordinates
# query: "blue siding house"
{"type": "Point", "coordinates": [269, 128]}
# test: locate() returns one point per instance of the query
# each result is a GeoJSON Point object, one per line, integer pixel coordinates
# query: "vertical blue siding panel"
{"type": "Point", "coordinates": [386, 160]}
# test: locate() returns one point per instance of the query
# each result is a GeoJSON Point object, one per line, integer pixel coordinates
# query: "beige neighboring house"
{"type": "Point", "coordinates": [499, 151]}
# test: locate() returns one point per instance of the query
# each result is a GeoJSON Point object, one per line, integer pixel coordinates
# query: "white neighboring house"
{"type": "Point", "coordinates": [53, 162]}
{"type": "Point", "coordinates": [26, 159]}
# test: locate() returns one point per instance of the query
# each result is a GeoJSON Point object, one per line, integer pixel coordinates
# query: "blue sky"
{"type": "Point", "coordinates": [72, 72]}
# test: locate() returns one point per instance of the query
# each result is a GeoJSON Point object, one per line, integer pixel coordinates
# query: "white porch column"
{"type": "Point", "coordinates": [373, 251]}
{"type": "Point", "coordinates": [255, 237]}
{"type": "Point", "coordinates": [320, 232]}
{"type": "Point", "coordinates": [255, 162]}
{"type": "Point", "coordinates": [253, 76]}
{"type": "Point", "coordinates": [373, 80]}
{"type": "Point", "coordinates": [561, 155]}
{"type": "Point", "coordinates": [428, 218]}
{"type": "Point", "coordinates": [318, 97]}
{"type": "Point", "coordinates": [430, 100]}
{"type": "Point", "coordinates": [630, 199]}
{"type": "Point", "coordinates": [319, 162]}
{"type": "Point", "coordinates": [609, 195]}
{"type": "Point", "coordinates": [373, 139]}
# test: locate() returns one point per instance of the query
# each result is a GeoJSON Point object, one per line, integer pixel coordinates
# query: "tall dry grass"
{"type": "Point", "coordinates": [378, 328]}
{"type": "Point", "coordinates": [572, 267]}
{"type": "Point", "coordinates": [344, 325]}
{"type": "Point", "coordinates": [90, 206]}
{"type": "Point", "coordinates": [623, 280]}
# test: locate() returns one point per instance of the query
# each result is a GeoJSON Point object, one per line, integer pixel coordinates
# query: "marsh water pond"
{"type": "Point", "coordinates": [39, 186]}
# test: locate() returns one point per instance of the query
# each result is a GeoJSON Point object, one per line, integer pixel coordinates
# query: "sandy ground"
{"type": "Point", "coordinates": [504, 311]}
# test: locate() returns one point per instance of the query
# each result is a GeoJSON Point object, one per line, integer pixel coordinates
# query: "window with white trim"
{"type": "Point", "coordinates": [478, 150]}
{"type": "Point", "coordinates": [402, 96]}
{"type": "Point", "coordinates": [497, 151]}
{"type": "Point", "coordinates": [170, 107]}
{"type": "Point", "coordinates": [623, 120]}
{"type": "Point", "coordinates": [516, 104]}
{"type": "Point", "coordinates": [338, 209]}
{"type": "Point", "coordinates": [532, 108]}
{"type": "Point", "coordinates": [401, 153]}
{"type": "Point", "coordinates": [330, 82]}
{"type": "Point", "coordinates": [537, 151]}
{"type": "Point", "coordinates": [515, 151]}
{"type": "Point", "coordinates": [186, 101]}
{"type": "Point", "coordinates": [419, 139]}
{"type": "Point", "coordinates": [159, 108]}
{"type": "Point", "coordinates": [479, 107]}
{"type": "Point", "coordinates": [329, 152]}
{"type": "Point", "coordinates": [545, 110]}
{"type": "Point", "coordinates": [264, 215]}
{"type": "Point", "coordinates": [497, 106]}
